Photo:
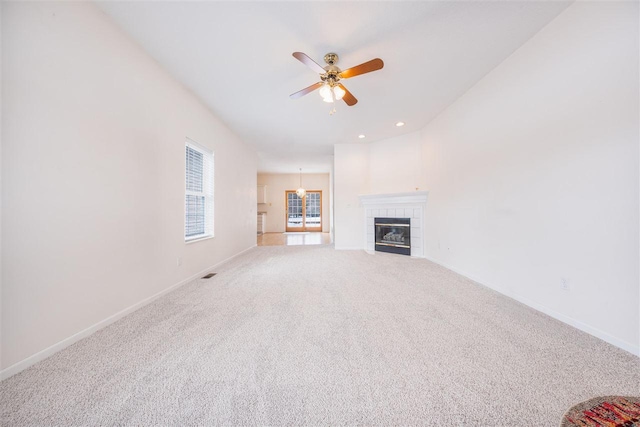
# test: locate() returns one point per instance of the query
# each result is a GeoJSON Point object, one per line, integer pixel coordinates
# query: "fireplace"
{"type": "Point", "coordinates": [393, 235]}
{"type": "Point", "coordinates": [395, 205]}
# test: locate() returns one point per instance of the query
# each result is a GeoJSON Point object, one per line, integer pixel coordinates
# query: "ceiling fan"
{"type": "Point", "coordinates": [330, 87]}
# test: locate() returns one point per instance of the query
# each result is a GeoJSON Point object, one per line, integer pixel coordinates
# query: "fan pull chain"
{"type": "Point", "coordinates": [333, 104]}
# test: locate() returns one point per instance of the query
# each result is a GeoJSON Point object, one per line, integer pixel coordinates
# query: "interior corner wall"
{"type": "Point", "coordinates": [278, 183]}
{"type": "Point", "coordinates": [331, 202]}
{"type": "Point", "coordinates": [351, 179]}
{"type": "Point", "coordinates": [393, 165]}
{"type": "Point", "coordinates": [533, 174]}
{"type": "Point", "coordinates": [93, 137]}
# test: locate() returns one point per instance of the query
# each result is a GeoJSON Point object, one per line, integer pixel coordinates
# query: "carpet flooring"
{"type": "Point", "coordinates": [306, 335]}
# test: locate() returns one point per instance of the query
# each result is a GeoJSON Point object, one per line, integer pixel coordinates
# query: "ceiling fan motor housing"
{"type": "Point", "coordinates": [332, 76]}
{"type": "Point", "coordinates": [333, 72]}
{"type": "Point", "coordinates": [331, 58]}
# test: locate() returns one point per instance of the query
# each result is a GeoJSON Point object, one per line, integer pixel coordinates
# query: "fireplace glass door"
{"type": "Point", "coordinates": [393, 235]}
{"type": "Point", "coordinates": [304, 214]}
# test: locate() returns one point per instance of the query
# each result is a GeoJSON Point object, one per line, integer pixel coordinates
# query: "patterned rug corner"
{"type": "Point", "coordinates": [614, 411]}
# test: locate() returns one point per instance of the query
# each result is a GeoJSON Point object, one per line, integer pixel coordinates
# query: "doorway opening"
{"type": "Point", "coordinates": [304, 214]}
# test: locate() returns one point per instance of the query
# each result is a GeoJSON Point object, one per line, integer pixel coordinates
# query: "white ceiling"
{"type": "Point", "coordinates": [236, 57]}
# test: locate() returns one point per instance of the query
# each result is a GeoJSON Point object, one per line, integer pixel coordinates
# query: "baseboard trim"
{"type": "Point", "coordinates": [348, 248]}
{"type": "Point", "coordinates": [49, 351]}
{"type": "Point", "coordinates": [631, 348]}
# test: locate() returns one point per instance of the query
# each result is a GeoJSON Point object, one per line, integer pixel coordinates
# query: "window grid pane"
{"type": "Point", "coordinates": [199, 192]}
{"type": "Point", "coordinates": [195, 215]}
{"type": "Point", "coordinates": [294, 210]}
{"type": "Point", "coordinates": [195, 168]}
{"type": "Point", "coordinates": [312, 209]}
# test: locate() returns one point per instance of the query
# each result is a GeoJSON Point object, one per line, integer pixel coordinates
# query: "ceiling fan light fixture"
{"type": "Point", "coordinates": [325, 93]}
{"type": "Point", "coordinates": [330, 87]}
{"type": "Point", "coordinates": [329, 93]}
{"type": "Point", "coordinates": [338, 92]}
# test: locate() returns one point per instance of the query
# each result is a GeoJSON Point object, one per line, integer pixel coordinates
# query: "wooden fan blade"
{"type": "Point", "coordinates": [306, 90]}
{"type": "Point", "coordinates": [367, 67]}
{"type": "Point", "coordinates": [348, 98]}
{"type": "Point", "coordinates": [309, 62]}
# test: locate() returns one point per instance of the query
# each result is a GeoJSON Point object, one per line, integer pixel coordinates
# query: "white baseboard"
{"type": "Point", "coordinates": [374, 252]}
{"type": "Point", "coordinates": [348, 248]}
{"type": "Point", "coordinates": [631, 348]}
{"type": "Point", "coordinates": [41, 355]}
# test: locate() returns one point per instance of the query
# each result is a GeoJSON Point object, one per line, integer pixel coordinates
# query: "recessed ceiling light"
{"type": "Point", "coordinates": [361, 136]}
{"type": "Point", "coordinates": [400, 124]}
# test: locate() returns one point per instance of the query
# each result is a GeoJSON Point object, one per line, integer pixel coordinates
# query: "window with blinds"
{"type": "Point", "coordinates": [198, 205]}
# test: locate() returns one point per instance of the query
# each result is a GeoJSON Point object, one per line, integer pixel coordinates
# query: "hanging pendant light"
{"type": "Point", "coordinates": [301, 191]}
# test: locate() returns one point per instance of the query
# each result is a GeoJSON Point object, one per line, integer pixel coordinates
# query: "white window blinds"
{"type": "Point", "coordinates": [199, 192]}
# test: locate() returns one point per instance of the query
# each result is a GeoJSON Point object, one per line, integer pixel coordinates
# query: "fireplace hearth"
{"type": "Point", "coordinates": [393, 235]}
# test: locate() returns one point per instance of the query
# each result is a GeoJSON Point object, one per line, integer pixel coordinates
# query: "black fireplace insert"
{"type": "Point", "coordinates": [393, 235]}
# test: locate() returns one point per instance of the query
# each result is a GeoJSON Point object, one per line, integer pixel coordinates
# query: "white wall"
{"type": "Point", "coordinates": [331, 203]}
{"type": "Point", "coordinates": [351, 175]}
{"type": "Point", "coordinates": [533, 174]}
{"type": "Point", "coordinates": [394, 165]}
{"type": "Point", "coordinates": [93, 137]}
{"type": "Point", "coordinates": [1, 133]}
{"type": "Point", "coordinates": [275, 207]}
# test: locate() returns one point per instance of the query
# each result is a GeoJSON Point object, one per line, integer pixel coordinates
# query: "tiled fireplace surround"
{"type": "Point", "coordinates": [396, 205]}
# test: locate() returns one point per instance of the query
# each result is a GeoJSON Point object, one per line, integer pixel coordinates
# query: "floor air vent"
{"type": "Point", "coordinates": [209, 276]}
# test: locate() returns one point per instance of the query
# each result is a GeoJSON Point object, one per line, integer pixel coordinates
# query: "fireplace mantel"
{"type": "Point", "coordinates": [399, 205]}
{"type": "Point", "coordinates": [394, 198]}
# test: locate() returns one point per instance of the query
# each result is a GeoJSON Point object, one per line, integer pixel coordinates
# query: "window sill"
{"type": "Point", "coordinates": [198, 239]}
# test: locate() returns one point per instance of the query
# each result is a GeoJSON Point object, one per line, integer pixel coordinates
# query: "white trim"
{"type": "Point", "coordinates": [348, 248]}
{"type": "Point", "coordinates": [631, 348]}
{"type": "Point", "coordinates": [198, 239]}
{"type": "Point", "coordinates": [394, 198]}
{"type": "Point", "coordinates": [49, 351]}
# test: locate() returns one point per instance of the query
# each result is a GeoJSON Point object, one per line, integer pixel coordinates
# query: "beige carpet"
{"type": "Point", "coordinates": [313, 336]}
